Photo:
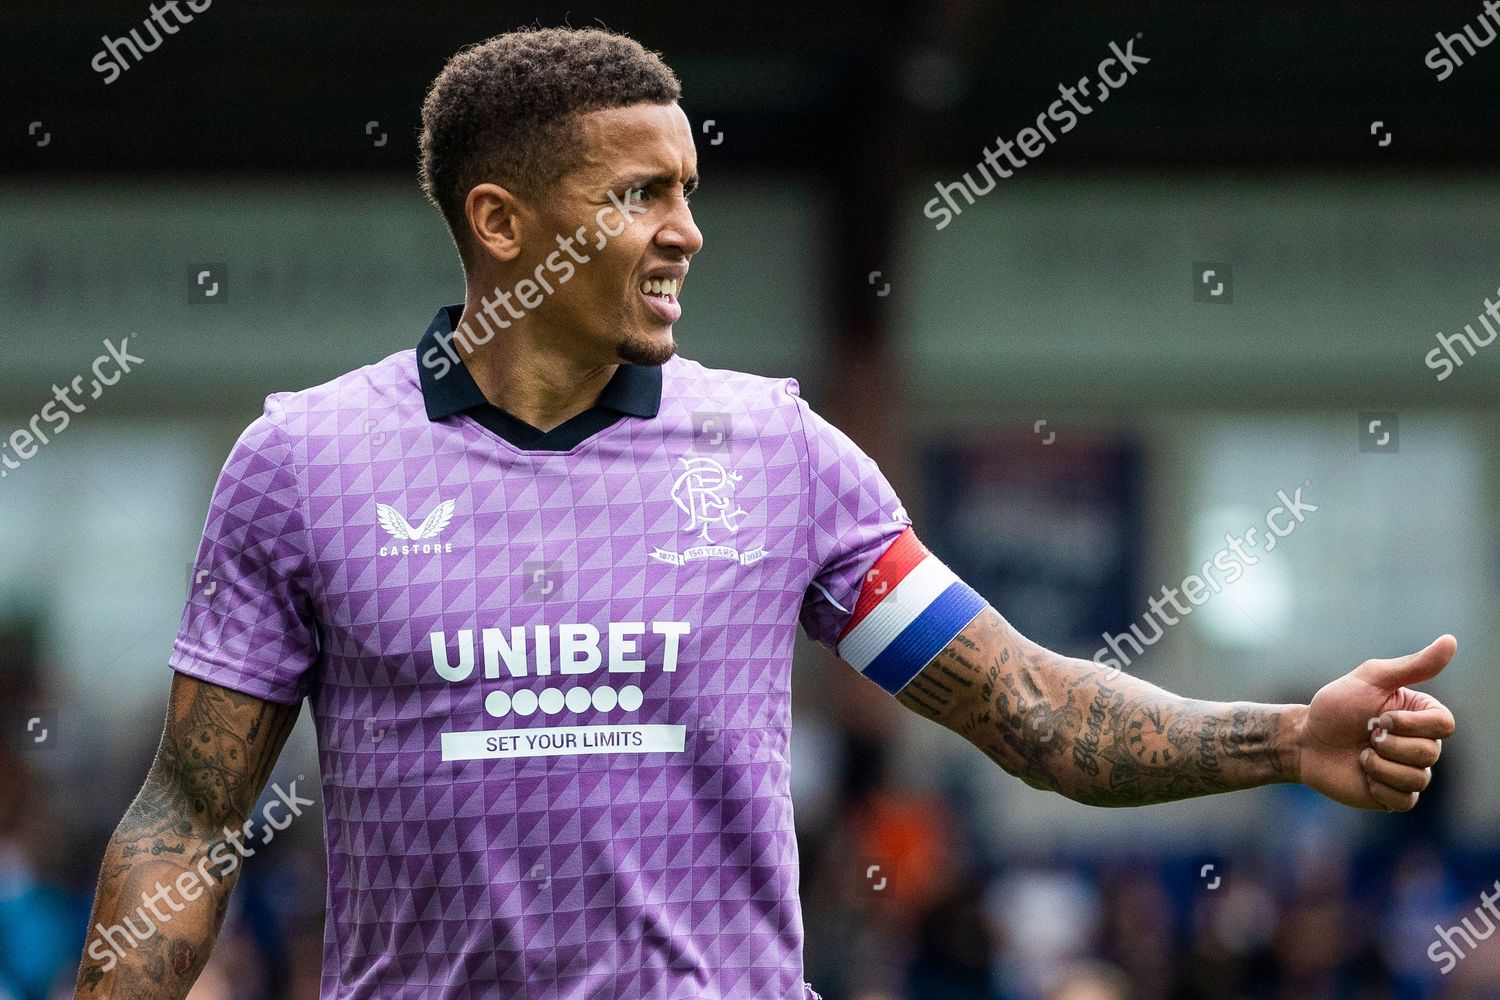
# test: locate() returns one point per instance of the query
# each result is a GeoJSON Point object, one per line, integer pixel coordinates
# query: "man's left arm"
{"type": "Point", "coordinates": [1101, 737]}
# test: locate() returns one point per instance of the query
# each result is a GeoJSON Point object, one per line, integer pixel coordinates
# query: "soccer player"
{"type": "Point", "coordinates": [539, 579]}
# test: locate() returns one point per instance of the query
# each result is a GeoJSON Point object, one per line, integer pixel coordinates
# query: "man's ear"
{"type": "Point", "coordinates": [497, 220]}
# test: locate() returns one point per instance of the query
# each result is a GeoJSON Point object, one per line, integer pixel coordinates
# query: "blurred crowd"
{"type": "Point", "coordinates": [904, 897]}
{"type": "Point", "coordinates": [1290, 916]}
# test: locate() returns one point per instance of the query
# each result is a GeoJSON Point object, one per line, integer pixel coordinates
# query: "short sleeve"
{"type": "Point", "coordinates": [878, 597]}
{"type": "Point", "coordinates": [249, 623]}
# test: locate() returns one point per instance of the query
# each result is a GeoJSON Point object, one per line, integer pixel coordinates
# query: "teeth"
{"type": "Point", "coordinates": [660, 286]}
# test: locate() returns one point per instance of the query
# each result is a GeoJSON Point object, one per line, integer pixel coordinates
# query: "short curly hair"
{"type": "Point", "coordinates": [506, 110]}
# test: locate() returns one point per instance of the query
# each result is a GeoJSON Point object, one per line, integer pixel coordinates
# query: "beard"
{"type": "Point", "coordinates": [639, 351]}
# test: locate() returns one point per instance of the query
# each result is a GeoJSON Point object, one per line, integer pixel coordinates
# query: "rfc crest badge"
{"type": "Point", "coordinates": [704, 492]}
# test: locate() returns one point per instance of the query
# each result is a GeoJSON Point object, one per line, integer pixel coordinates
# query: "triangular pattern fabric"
{"type": "Point", "coordinates": [634, 600]}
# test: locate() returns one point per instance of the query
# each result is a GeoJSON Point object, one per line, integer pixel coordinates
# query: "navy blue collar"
{"type": "Point", "coordinates": [448, 389]}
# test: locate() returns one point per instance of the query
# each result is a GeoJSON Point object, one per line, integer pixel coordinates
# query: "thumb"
{"type": "Point", "coordinates": [1411, 669]}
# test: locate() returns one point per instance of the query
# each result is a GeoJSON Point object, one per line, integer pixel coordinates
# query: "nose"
{"type": "Point", "coordinates": [679, 232]}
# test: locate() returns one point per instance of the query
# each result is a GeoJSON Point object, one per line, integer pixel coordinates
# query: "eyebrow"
{"type": "Point", "coordinates": [655, 180]}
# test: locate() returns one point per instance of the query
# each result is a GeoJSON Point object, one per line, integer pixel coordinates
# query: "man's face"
{"type": "Point", "coordinates": [643, 155]}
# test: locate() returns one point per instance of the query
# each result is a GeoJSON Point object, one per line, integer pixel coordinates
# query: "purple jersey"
{"type": "Point", "coordinates": [551, 672]}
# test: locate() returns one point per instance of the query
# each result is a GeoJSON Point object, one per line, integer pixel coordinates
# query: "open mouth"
{"type": "Point", "coordinates": [661, 295]}
{"type": "Point", "coordinates": [664, 287]}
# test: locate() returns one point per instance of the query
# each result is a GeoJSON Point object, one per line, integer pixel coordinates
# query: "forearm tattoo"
{"type": "Point", "coordinates": [1098, 736]}
{"type": "Point", "coordinates": [216, 754]}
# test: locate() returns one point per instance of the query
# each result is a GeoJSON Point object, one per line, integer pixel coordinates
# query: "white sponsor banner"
{"type": "Point", "coordinates": [561, 741]}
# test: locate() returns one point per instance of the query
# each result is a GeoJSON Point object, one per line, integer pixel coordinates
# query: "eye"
{"type": "Point", "coordinates": [637, 194]}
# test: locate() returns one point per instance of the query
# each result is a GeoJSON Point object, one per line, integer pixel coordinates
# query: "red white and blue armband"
{"type": "Point", "coordinates": [910, 607]}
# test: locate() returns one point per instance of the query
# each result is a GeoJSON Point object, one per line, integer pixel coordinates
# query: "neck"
{"type": "Point", "coordinates": [526, 372]}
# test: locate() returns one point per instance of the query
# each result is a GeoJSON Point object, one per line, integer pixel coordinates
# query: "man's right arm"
{"type": "Point", "coordinates": [173, 860]}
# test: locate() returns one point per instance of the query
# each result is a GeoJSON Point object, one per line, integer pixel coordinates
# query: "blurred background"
{"type": "Point", "coordinates": [1226, 281]}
